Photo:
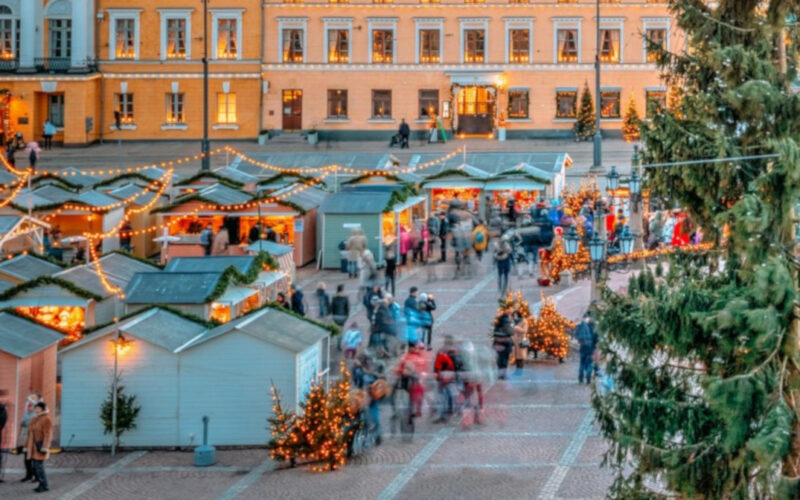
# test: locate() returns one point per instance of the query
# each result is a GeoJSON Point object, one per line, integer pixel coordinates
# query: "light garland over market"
{"type": "Point", "coordinates": [340, 168]}
{"type": "Point", "coordinates": [17, 189]}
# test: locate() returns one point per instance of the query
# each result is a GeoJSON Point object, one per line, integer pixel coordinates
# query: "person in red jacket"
{"type": "Point", "coordinates": [445, 371]}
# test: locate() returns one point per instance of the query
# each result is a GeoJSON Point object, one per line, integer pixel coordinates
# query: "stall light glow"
{"type": "Point", "coordinates": [122, 345]}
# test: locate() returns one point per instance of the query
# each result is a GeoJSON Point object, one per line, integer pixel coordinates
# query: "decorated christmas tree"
{"type": "Point", "coordinates": [631, 122]}
{"type": "Point", "coordinates": [283, 441]}
{"type": "Point", "coordinates": [584, 127]}
{"type": "Point", "coordinates": [550, 331]}
{"type": "Point", "coordinates": [127, 411]}
{"type": "Point", "coordinates": [706, 359]}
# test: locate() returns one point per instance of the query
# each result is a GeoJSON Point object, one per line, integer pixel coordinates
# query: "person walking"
{"type": "Point", "coordinates": [10, 154]}
{"type": "Point", "coordinates": [27, 416]}
{"type": "Point", "coordinates": [444, 228]}
{"type": "Point", "coordinates": [444, 370]}
{"type": "Point", "coordinates": [433, 232]}
{"type": "Point", "coordinates": [33, 153]}
{"type": "Point", "coordinates": [207, 238]}
{"type": "Point", "coordinates": [340, 306]}
{"type": "Point", "coordinates": [351, 341]}
{"type": "Point", "coordinates": [390, 271]}
{"type": "Point", "coordinates": [3, 420]}
{"type": "Point", "coordinates": [502, 258]}
{"type": "Point", "coordinates": [480, 239]}
{"type": "Point", "coordinates": [355, 246]}
{"type": "Point", "coordinates": [371, 298]}
{"type": "Point", "coordinates": [297, 302]}
{"type": "Point", "coordinates": [48, 132]}
{"type": "Point", "coordinates": [427, 304]}
{"type": "Point", "coordinates": [587, 340]}
{"type": "Point", "coordinates": [381, 325]}
{"type": "Point", "coordinates": [520, 339]}
{"type": "Point", "coordinates": [413, 317]}
{"type": "Point", "coordinates": [502, 341]}
{"type": "Point", "coordinates": [404, 132]}
{"type": "Point", "coordinates": [323, 300]}
{"type": "Point", "coordinates": [37, 444]}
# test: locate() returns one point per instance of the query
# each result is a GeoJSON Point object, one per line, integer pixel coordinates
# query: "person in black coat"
{"type": "Point", "coordinates": [444, 228]}
{"type": "Point", "coordinates": [502, 341]}
{"type": "Point", "coordinates": [404, 132]}
{"type": "Point", "coordinates": [390, 271]}
{"type": "Point", "coordinates": [298, 304]}
{"type": "Point", "coordinates": [340, 306]}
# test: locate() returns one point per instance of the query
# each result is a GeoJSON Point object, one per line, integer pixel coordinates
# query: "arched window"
{"type": "Point", "coordinates": [9, 34]}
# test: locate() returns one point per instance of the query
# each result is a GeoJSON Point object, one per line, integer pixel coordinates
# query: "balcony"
{"type": "Point", "coordinates": [8, 65]}
{"type": "Point", "coordinates": [52, 64]}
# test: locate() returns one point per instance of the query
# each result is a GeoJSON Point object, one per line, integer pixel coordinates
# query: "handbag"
{"type": "Point", "coordinates": [39, 447]}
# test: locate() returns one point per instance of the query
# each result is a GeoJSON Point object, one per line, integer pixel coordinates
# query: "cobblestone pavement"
{"type": "Point", "coordinates": [537, 439]}
{"type": "Point", "coordinates": [615, 152]}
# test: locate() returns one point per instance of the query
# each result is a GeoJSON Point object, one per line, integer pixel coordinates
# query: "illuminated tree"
{"type": "Point", "coordinates": [550, 331]}
{"type": "Point", "coordinates": [281, 423]}
{"type": "Point", "coordinates": [584, 127]}
{"type": "Point", "coordinates": [631, 122]}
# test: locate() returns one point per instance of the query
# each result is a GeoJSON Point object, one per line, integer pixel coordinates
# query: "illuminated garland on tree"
{"type": "Point", "coordinates": [550, 332]}
{"type": "Point", "coordinates": [631, 122]}
{"type": "Point", "coordinates": [320, 436]}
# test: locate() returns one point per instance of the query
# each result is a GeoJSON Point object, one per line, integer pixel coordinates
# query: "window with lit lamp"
{"type": "Point", "coordinates": [428, 103]}
{"type": "Point", "coordinates": [429, 46]}
{"type": "Point", "coordinates": [338, 45]}
{"type": "Point", "coordinates": [654, 39]}
{"type": "Point", "coordinates": [382, 46]}
{"type": "Point", "coordinates": [226, 108]}
{"type": "Point", "coordinates": [293, 45]}
{"type": "Point", "coordinates": [518, 100]}
{"type": "Point", "coordinates": [610, 104]}
{"type": "Point", "coordinates": [519, 43]}
{"type": "Point", "coordinates": [609, 45]}
{"type": "Point", "coordinates": [176, 38]}
{"type": "Point", "coordinates": [566, 103]}
{"type": "Point", "coordinates": [382, 104]}
{"type": "Point", "coordinates": [474, 46]}
{"type": "Point", "coordinates": [125, 38]}
{"type": "Point", "coordinates": [655, 100]}
{"type": "Point", "coordinates": [9, 34]}
{"type": "Point", "coordinates": [174, 105]}
{"type": "Point", "coordinates": [337, 104]}
{"type": "Point", "coordinates": [124, 104]}
{"type": "Point", "coordinates": [567, 45]}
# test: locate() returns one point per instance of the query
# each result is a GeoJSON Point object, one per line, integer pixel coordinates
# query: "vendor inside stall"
{"type": "Point", "coordinates": [442, 198]}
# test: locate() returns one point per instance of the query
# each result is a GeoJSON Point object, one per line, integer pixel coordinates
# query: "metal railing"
{"type": "Point", "coordinates": [9, 65]}
{"type": "Point", "coordinates": [52, 64]}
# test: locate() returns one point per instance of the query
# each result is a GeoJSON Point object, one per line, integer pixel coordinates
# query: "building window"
{"type": "Point", "coordinates": [655, 102]}
{"type": "Point", "coordinates": [609, 45]}
{"type": "Point", "coordinates": [474, 46]}
{"type": "Point", "coordinates": [655, 38]}
{"type": "Point", "coordinates": [337, 104]}
{"type": "Point", "coordinates": [226, 108]}
{"type": "Point", "coordinates": [518, 104]}
{"type": "Point", "coordinates": [567, 45]}
{"type": "Point", "coordinates": [518, 1]}
{"type": "Point", "coordinates": [293, 45]}
{"type": "Point", "coordinates": [125, 38]}
{"type": "Point", "coordinates": [566, 103]}
{"type": "Point", "coordinates": [338, 45]}
{"type": "Point", "coordinates": [382, 1]}
{"type": "Point", "coordinates": [430, 1]}
{"type": "Point", "coordinates": [609, 104]}
{"type": "Point", "coordinates": [9, 34]}
{"type": "Point", "coordinates": [227, 38]}
{"type": "Point", "coordinates": [382, 46]}
{"type": "Point", "coordinates": [55, 109]}
{"type": "Point", "coordinates": [124, 104]}
{"type": "Point", "coordinates": [519, 43]}
{"type": "Point", "coordinates": [381, 104]}
{"type": "Point", "coordinates": [429, 46]}
{"type": "Point", "coordinates": [175, 108]}
{"type": "Point", "coordinates": [60, 38]}
{"type": "Point", "coordinates": [474, 1]}
{"type": "Point", "coordinates": [428, 103]}
{"type": "Point", "coordinates": [338, 1]}
{"type": "Point", "coordinates": [176, 38]}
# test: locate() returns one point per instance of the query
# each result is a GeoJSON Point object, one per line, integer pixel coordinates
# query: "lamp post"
{"type": "Point", "coordinates": [635, 184]}
{"type": "Point", "coordinates": [597, 166]}
{"type": "Point", "coordinates": [206, 160]}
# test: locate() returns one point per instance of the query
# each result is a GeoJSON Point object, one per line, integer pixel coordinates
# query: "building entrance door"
{"type": "Point", "coordinates": [475, 110]}
{"type": "Point", "coordinates": [292, 110]}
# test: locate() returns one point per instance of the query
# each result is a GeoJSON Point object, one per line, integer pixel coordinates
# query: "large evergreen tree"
{"type": "Point", "coordinates": [705, 360]}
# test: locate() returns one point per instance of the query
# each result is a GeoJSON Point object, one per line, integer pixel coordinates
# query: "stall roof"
{"type": "Point", "coordinates": [223, 195]}
{"type": "Point", "coordinates": [52, 193]}
{"type": "Point", "coordinates": [410, 202]}
{"type": "Point", "coordinates": [171, 288]}
{"type": "Point", "coordinates": [272, 248]}
{"type": "Point", "coordinates": [7, 177]}
{"type": "Point", "coordinates": [5, 285]}
{"type": "Point", "coordinates": [96, 199]}
{"type": "Point", "coordinates": [306, 199]}
{"type": "Point", "coordinates": [26, 197]}
{"type": "Point", "coordinates": [210, 264]}
{"type": "Point", "coordinates": [131, 189]}
{"type": "Point", "coordinates": [55, 194]}
{"type": "Point", "coordinates": [492, 163]}
{"type": "Point", "coordinates": [119, 269]}
{"type": "Point", "coordinates": [76, 176]}
{"type": "Point", "coordinates": [8, 222]}
{"type": "Point", "coordinates": [356, 202]}
{"type": "Point", "coordinates": [236, 175]}
{"type": "Point", "coordinates": [236, 294]}
{"type": "Point", "coordinates": [21, 337]}
{"type": "Point", "coordinates": [269, 278]}
{"type": "Point", "coordinates": [28, 267]}
{"type": "Point", "coordinates": [514, 185]}
{"type": "Point", "coordinates": [271, 325]}
{"type": "Point", "coordinates": [156, 325]}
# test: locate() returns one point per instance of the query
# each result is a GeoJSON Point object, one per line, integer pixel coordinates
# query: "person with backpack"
{"type": "Point", "coordinates": [587, 340]}
{"type": "Point", "coordinates": [480, 239]}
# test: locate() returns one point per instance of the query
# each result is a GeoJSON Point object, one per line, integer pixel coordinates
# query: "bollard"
{"type": "Point", "coordinates": [205, 455]}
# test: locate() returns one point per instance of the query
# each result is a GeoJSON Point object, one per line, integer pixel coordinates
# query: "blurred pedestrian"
{"type": "Point", "coordinates": [502, 341]}
{"type": "Point", "coordinates": [33, 150]}
{"type": "Point", "coordinates": [28, 414]}
{"type": "Point", "coordinates": [433, 232]}
{"type": "Point", "coordinates": [221, 242]}
{"type": "Point", "coordinates": [10, 154]}
{"type": "Point", "coordinates": [520, 339]}
{"type": "Point", "coordinates": [37, 444]}
{"type": "Point", "coordinates": [390, 271]}
{"type": "Point", "coordinates": [352, 340]}
{"type": "Point", "coordinates": [297, 301]}
{"type": "Point", "coordinates": [323, 300]}
{"type": "Point", "coordinates": [412, 315]}
{"type": "Point", "coordinates": [48, 133]}
{"type": "Point", "coordinates": [340, 306]}
{"type": "Point", "coordinates": [427, 304]}
{"type": "Point", "coordinates": [502, 259]}
{"type": "Point", "coordinates": [444, 228]}
{"type": "Point", "coordinates": [207, 238]}
{"type": "Point", "coordinates": [480, 239]}
{"type": "Point", "coordinates": [280, 300]}
{"type": "Point", "coordinates": [355, 246]}
{"type": "Point", "coordinates": [587, 340]}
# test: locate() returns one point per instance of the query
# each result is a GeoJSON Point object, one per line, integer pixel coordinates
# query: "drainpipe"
{"type": "Point", "coordinates": [97, 27]}
{"type": "Point", "coordinates": [261, 72]}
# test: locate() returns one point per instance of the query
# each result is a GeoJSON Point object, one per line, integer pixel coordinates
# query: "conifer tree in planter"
{"type": "Point", "coordinates": [127, 411]}
{"type": "Point", "coordinates": [705, 361]}
{"type": "Point", "coordinates": [584, 127]}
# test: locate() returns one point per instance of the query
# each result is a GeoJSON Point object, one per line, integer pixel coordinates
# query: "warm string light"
{"type": "Point", "coordinates": [340, 168]}
{"type": "Point", "coordinates": [125, 170]}
{"type": "Point", "coordinates": [11, 168]}
{"type": "Point", "coordinates": [109, 287]}
{"type": "Point", "coordinates": [104, 208]}
{"type": "Point", "coordinates": [16, 190]}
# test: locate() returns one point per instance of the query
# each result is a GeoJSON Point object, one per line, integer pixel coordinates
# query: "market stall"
{"type": "Point", "coordinates": [522, 184]}
{"type": "Point", "coordinates": [463, 183]}
{"type": "Point", "coordinates": [142, 244]}
{"type": "Point", "coordinates": [284, 254]}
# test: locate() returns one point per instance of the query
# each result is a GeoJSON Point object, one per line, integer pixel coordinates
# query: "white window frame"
{"type": "Point", "coordinates": [527, 112]}
{"type": "Point", "coordinates": [219, 15]}
{"type": "Point", "coordinates": [339, 23]}
{"type": "Point", "coordinates": [227, 124]}
{"type": "Point", "coordinates": [517, 23]}
{"type": "Point", "coordinates": [15, 21]}
{"type": "Point", "coordinates": [474, 23]}
{"type": "Point", "coordinates": [186, 16]}
{"type": "Point", "coordinates": [115, 15]}
{"type": "Point", "coordinates": [653, 89]}
{"type": "Point", "coordinates": [653, 23]}
{"type": "Point", "coordinates": [428, 23]}
{"type": "Point", "coordinates": [615, 23]}
{"type": "Point", "coordinates": [292, 23]}
{"type": "Point", "coordinates": [382, 23]}
{"type": "Point", "coordinates": [600, 102]}
{"type": "Point", "coordinates": [567, 23]}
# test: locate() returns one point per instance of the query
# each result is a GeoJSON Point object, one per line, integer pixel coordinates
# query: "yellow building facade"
{"type": "Point", "coordinates": [350, 70]}
{"type": "Point", "coordinates": [354, 70]}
